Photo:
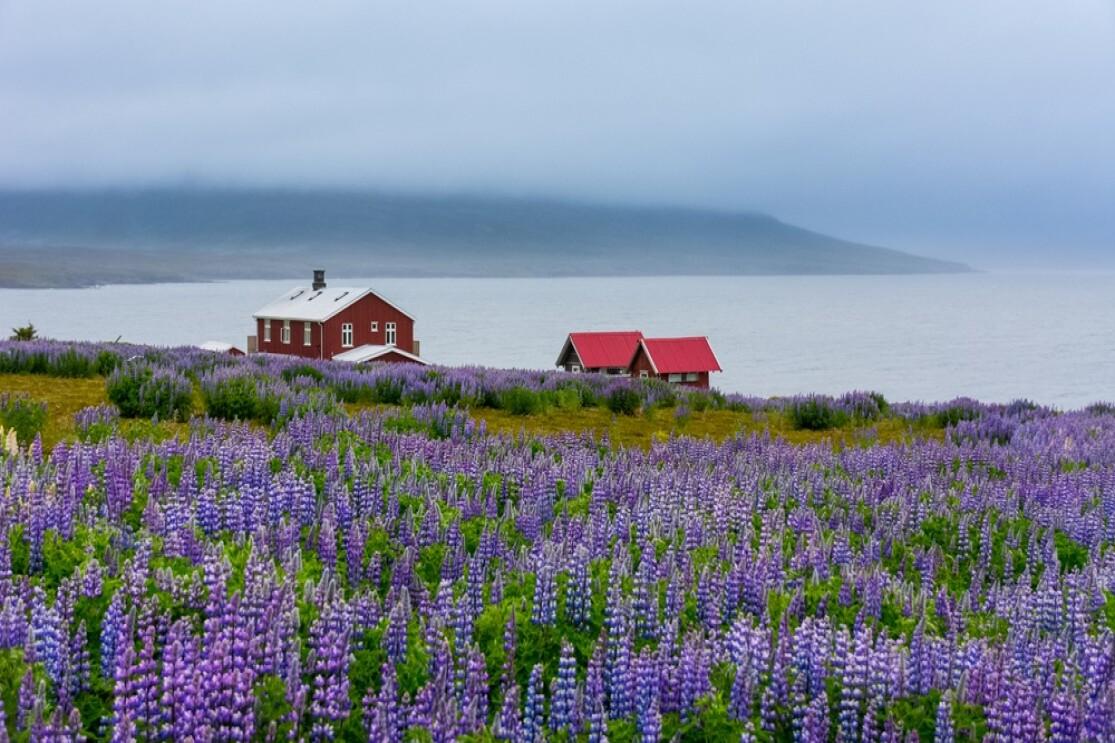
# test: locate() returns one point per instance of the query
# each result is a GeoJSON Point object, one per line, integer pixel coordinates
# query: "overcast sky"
{"type": "Point", "coordinates": [959, 128]}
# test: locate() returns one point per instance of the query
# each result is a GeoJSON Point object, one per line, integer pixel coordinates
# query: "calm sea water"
{"type": "Point", "coordinates": [996, 337]}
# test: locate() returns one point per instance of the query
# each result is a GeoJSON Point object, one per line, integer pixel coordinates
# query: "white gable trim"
{"type": "Point", "coordinates": [370, 352]}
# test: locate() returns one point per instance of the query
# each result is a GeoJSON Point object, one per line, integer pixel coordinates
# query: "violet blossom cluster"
{"type": "Point", "coordinates": [378, 573]}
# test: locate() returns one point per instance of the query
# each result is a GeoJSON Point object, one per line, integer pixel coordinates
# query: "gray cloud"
{"type": "Point", "coordinates": [956, 128]}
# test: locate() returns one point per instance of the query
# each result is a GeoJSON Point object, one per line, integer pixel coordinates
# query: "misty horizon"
{"type": "Point", "coordinates": [972, 133]}
{"type": "Point", "coordinates": [978, 258]}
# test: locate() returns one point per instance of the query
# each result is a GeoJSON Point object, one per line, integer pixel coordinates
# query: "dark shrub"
{"type": "Point", "coordinates": [232, 398]}
{"type": "Point", "coordinates": [73, 364]}
{"type": "Point", "coordinates": [387, 391]}
{"type": "Point", "coordinates": [141, 391]}
{"type": "Point", "coordinates": [950, 416]}
{"type": "Point", "coordinates": [25, 333]}
{"type": "Point", "coordinates": [699, 402]}
{"type": "Point", "coordinates": [568, 398]}
{"type": "Point", "coordinates": [520, 401]}
{"type": "Point", "coordinates": [23, 415]}
{"type": "Point", "coordinates": [302, 370]}
{"type": "Point", "coordinates": [624, 401]}
{"type": "Point", "coordinates": [815, 414]}
{"type": "Point", "coordinates": [106, 363]}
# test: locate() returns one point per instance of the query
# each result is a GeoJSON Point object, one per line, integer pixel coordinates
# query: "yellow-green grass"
{"type": "Point", "coordinates": [661, 423]}
{"type": "Point", "coordinates": [64, 397]}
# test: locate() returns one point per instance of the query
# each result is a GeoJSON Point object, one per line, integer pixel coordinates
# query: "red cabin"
{"type": "Point", "coordinates": [344, 323]}
{"type": "Point", "coordinates": [606, 352]}
{"type": "Point", "coordinates": [684, 361]}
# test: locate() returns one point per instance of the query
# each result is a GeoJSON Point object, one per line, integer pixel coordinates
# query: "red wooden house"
{"type": "Point", "coordinates": [344, 323]}
{"type": "Point", "coordinates": [684, 361]}
{"type": "Point", "coordinates": [607, 352]}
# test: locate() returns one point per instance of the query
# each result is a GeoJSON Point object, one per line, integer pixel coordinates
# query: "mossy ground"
{"type": "Point", "coordinates": [661, 423]}
{"type": "Point", "coordinates": [65, 396]}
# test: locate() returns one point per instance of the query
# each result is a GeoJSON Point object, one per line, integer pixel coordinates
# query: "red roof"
{"type": "Point", "coordinates": [680, 355]}
{"type": "Point", "coordinates": [612, 349]}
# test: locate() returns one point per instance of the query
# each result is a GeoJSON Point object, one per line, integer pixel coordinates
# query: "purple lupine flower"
{"type": "Point", "coordinates": [595, 695]}
{"type": "Point", "coordinates": [578, 591]}
{"type": "Point", "coordinates": [816, 727]}
{"type": "Point", "coordinates": [618, 641]}
{"type": "Point", "coordinates": [127, 702]}
{"type": "Point", "coordinates": [510, 642]}
{"type": "Point", "coordinates": [598, 723]}
{"type": "Point", "coordinates": [563, 704]}
{"type": "Point", "coordinates": [383, 719]}
{"type": "Point", "coordinates": [179, 682]}
{"type": "Point", "coordinates": [395, 637]}
{"type": "Point", "coordinates": [509, 722]}
{"type": "Point", "coordinates": [768, 712]}
{"type": "Point", "coordinates": [943, 731]}
{"type": "Point", "coordinates": [48, 636]}
{"type": "Point", "coordinates": [650, 722]}
{"type": "Point", "coordinates": [1064, 716]}
{"type": "Point", "coordinates": [474, 695]}
{"type": "Point", "coordinates": [534, 728]}
{"type": "Point", "coordinates": [25, 701]}
{"type": "Point", "coordinates": [329, 641]}
{"type": "Point", "coordinates": [544, 606]}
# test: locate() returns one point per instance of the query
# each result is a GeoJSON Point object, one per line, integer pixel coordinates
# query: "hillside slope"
{"type": "Point", "coordinates": [189, 234]}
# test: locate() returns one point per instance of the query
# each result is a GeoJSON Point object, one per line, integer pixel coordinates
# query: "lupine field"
{"type": "Point", "coordinates": [319, 552]}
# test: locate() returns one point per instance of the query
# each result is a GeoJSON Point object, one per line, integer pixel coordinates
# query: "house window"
{"type": "Point", "coordinates": [307, 334]}
{"type": "Point", "coordinates": [574, 367]}
{"type": "Point", "coordinates": [346, 335]}
{"type": "Point", "coordinates": [691, 376]}
{"type": "Point", "coordinates": [644, 374]}
{"type": "Point", "coordinates": [375, 326]}
{"type": "Point", "coordinates": [675, 378]}
{"type": "Point", "coordinates": [390, 330]}
{"type": "Point", "coordinates": [267, 331]}
{"type": "Point", "coordinates": [286, 331]}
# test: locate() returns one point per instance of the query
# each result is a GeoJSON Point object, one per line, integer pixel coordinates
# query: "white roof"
{"type": "Point", "coordinates": [371, 352]}
{"type": "Point", "coordinates": [218, 346]}
{"type": "Point", "coordinates": [304, 303]}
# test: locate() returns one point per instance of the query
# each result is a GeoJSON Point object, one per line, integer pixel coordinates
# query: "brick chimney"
{"type": "Point", "coordinates": [319, 279]}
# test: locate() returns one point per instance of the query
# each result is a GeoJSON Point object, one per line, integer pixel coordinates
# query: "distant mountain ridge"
{"type": "Point", "coordinates": [66, 238]}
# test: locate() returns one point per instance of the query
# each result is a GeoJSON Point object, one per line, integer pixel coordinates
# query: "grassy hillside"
{"type": "Point", "coordinates": [64, 397]}
{"type": "Point", "coordinates": [151, 235]}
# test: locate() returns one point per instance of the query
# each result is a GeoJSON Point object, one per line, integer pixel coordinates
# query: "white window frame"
{"type": "Point", "coordinates": [644, 374]}
{"type": "Point", "coordinates": [375, 326]}
{"type": "Point", "coordinates": [346, 335]}
{"type": "Point", "coordinates": [675, 378]}
{"type": "Point", "coordinates": [307, 334]}
{"type": "Point", "coordinates": [390, 334]}
{"type": "Point", "coordinates": [691, 376]}
{"type": "Point", "coordinates": [267, 330]}
{"type": "Point", "coordinates": [285, 334]}
{"type": "Point", "coordinates": [574, 367]}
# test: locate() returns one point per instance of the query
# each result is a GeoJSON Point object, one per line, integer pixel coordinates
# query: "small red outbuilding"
{"type": "Point", "coordinates": [606, 352]}
{"type": "Point", "coordinates": [684, 361]}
